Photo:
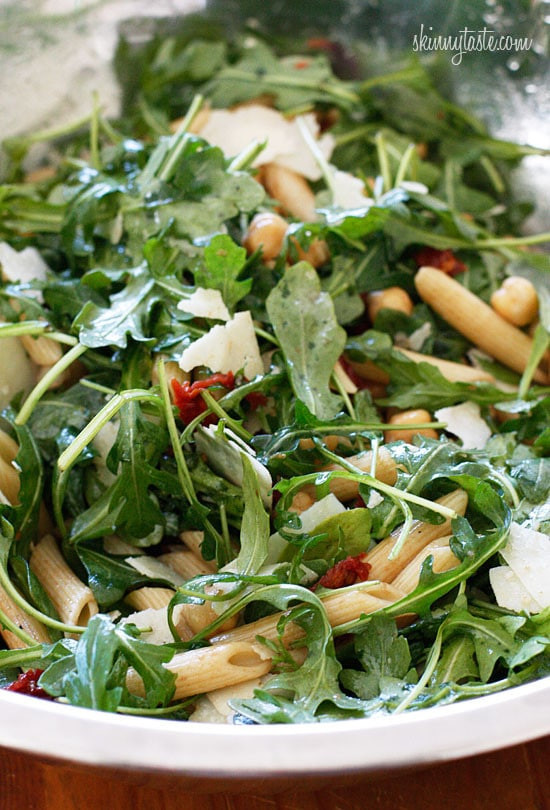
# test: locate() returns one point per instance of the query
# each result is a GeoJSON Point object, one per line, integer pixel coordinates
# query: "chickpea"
{"type": "Point", "coordinates": [172, 371]}
{"type": "Point", "coordinates": [266, 231]}
{"type": "Point", "coordinates": [317, 253]}
{"type": "Point", "coordinates": [390, 298]}
{"type": "Point", "coordinates": [414, 417]}
{"type": "Point", "coordinates": [516, 301]}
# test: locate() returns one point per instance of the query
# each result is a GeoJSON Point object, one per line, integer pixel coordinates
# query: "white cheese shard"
{"type": "Point", "coordinates": [527, 552]}
{"type": "Point", "coordinates": [310, 518]}
{"type": "Point", "coordinates": [465, 422]}
{"type": "Point", "coordinates": [150, 567]}
{"type": "Point", "coordinates": [327, 507]}
{"type": "Point", "coordinates": [157, 620]}
{"type": "Point", "coordinates": [345, 380]}
{"type": "Point", "coordinates": [348, 191]}
{"type": "Point", "coordinates": [510, 592]}
{"type": "Point", "coordinates": [102, 444]}
{"type": "Point", "coordinates": [205, 303]}
{"type": "Point", "coordinates": [25, 266]}
{"type": "Point", "coordinates": [230, 347]}
{"type": "Point", "coordinates": [233, 130]}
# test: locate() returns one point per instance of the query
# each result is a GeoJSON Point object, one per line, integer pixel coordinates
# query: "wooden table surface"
{"type": "Point", "coordinates": [515, 778]}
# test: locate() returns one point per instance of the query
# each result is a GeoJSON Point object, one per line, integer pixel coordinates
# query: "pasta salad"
{"type": "Point", "coordinates": [275, 383]}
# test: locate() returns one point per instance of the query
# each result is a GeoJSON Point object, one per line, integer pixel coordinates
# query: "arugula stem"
{"type": "Point", "coordinates": [404, 164]}
{"type": "Point", "coordinates": [431, 664]}
{"type": "Point", "coordinates": [19, 600]}
{"type": "Point", "coordinates": [179, 140]}
{"type": "Point", "coordinates": [320, 159]}
{"type": "Point", "coordinates": [183, 471]}
{"type": "Point", "coordinates": [381, 151]}
{"type": "Point", "coordinates": [344, 394]}
{"type": "Point", "coordinates": [387, 489]}
{"type": "Point", "coordinates": [266, 336]}
{"type": "Point", "coordinates": [278, 80]}
{"type": "Point", "coordinates": [405, 75]}
{"type": "Point", "coordinates": [42, 386]}
{"type": "Point", "coordinates": [35, 328]}
{"type": "Point", "coordinates": [7, 624]}
{"type": "Point", "coordinates": [248, 155]}
{"type": "Point", "coordinates": [216, 408]}
{"type": "Point", "coordinates": [94, 134]}
{"type": "Point", "coordinates": [71, 453]}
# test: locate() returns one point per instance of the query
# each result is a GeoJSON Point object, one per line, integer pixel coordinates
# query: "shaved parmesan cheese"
{"type": "Point", "coordinates": [150, 567]}
{"type": "Point", "coordinates": [528, 554]}
{"type": "Point", "coordinates": [510, 592]}
{"type": "Point", "coordinates": [102, 444]}
{"type": "Point", "coordinates": [219, 697]}
{"type": "Point", "coordinates": [327, 507]}
{"type": "Point", "coordinates": [204, 303]}
{"type": "Point", "coordinates": [348, 191]}
{"type": "Point", "coordinates": [310, 518]}
{"type": "Point", "coordinates": [345, 380]}
{"type": "Point", "coordinates": [465, 422]}
{"type": "Point", "coordinates": [234, 130]}
{"type": "Point", "coordinates": [374, 499]}
{"type": "Point", "coordinates": [157, 620]}
{"type": "Point", "coordinates": [230, 347]}
{"type": "Point", "coordinates": [24, 266]}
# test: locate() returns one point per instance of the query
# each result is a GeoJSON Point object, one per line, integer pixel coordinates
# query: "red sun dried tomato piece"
{"type": "Point", "coordinates": [346, 572]}
{"type": "Point", "coordinates": [444, 260]}
{"type": "Point", "coordinates": [27, 684]}
{"type": "Point", "coordinates": [188, 398]}
{"type": "Point", "coordinates": [256, 400]}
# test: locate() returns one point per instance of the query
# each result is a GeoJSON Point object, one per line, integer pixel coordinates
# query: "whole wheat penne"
{"type": "Point", "coordinates": [341, 607]}
{"type": "Point", "coordinates": [73, 600]}
{"type": "Point", "coordinates": [8, 447]}
{"type": "Point", "coordinates": [27, 623]}
{"type": "Point", "coordinates": [476, 320]}
{"type": "Point", "coordinates": [420, 535]}
{"type": "Point", "coordinates": [42, 350]}
{"type": "Point", "coordinates": [210, 668]}
{"type": "Point", "coordinates": [443, 560]}
{"type": "Point", "coordinates": [9, 481]}
{"type": "Point", "coordinates": [197, 617]}
{"type": "Point", "coordinates": [291, 190]}
{"type": "Point", "coordinates": [345, 490]}
{"type": "Point", "coordinates": [300, 502]}
{"type": "Point", "coordinates": [143, 598]}
{"type": "Point", "coordinates": [344, 379]}
{"type": "Point", "coordinates": [186, 563]}
{"type": "Point", "coordinates": [369, 371]}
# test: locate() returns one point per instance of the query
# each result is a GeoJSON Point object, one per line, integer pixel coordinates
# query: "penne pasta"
{"type": "Point", "coordinates": [345, 490]}
{"type": "Point", "coordinates": [9, 481]}
{"type": "Point", "coordinates": [27, 623]}
{"type": "Point", "coordinates": [42, 350]}
{"type": "Point", "coordinates": [144, 598]}
{"type": "Point", "coordinates": [186, 563]}
{"type": "Point", "coordinates": [443, 560]}
{"type": "Point", "coordinates": [73, 600]}
{"type": "Point", "coordinates": [8, 447]}
{"type": "Point", "coordinates": [420, 535]}
{"type": "Point", "coordinates": [211, 668]}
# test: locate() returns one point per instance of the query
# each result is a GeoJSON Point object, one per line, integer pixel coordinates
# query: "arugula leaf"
{"type": "Point", "coordinates": [224, 262]}
{"type": "Point", "coordinates": [382, 653]}
{"type": "Point", "coordinates": [128, 314]}
{"type": "Point", "coordinates": [90, 683]}
{"type": "Point", "coordinates": [254, 535]}
{"type": "Point", "coordinates": [305, 324]}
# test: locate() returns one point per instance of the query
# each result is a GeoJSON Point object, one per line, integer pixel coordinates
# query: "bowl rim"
{"type": "Point", "coordinates": [230, 752]}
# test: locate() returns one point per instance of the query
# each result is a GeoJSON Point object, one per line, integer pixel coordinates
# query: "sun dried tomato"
{"type": "Point", "coordinates": [27, 684]}
{"type": "Point", "coordinates": [188, 398]}
{"type": "Point", "coordinates": [444, 260]}
{"type": "Point", "coordinates": [346, 572]}
{"type": "Point", "coordinates": [256, 400]}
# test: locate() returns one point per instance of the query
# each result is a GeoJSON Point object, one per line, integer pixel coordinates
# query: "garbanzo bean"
{"type": "Point", "coordinates": [266, 231]}
{"type": "Point", "coordinates": [391, 298]}
{"type": "Point", "coordinates": [414, 417]}
{"type": "Point", "coordinates": [516, 301]}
